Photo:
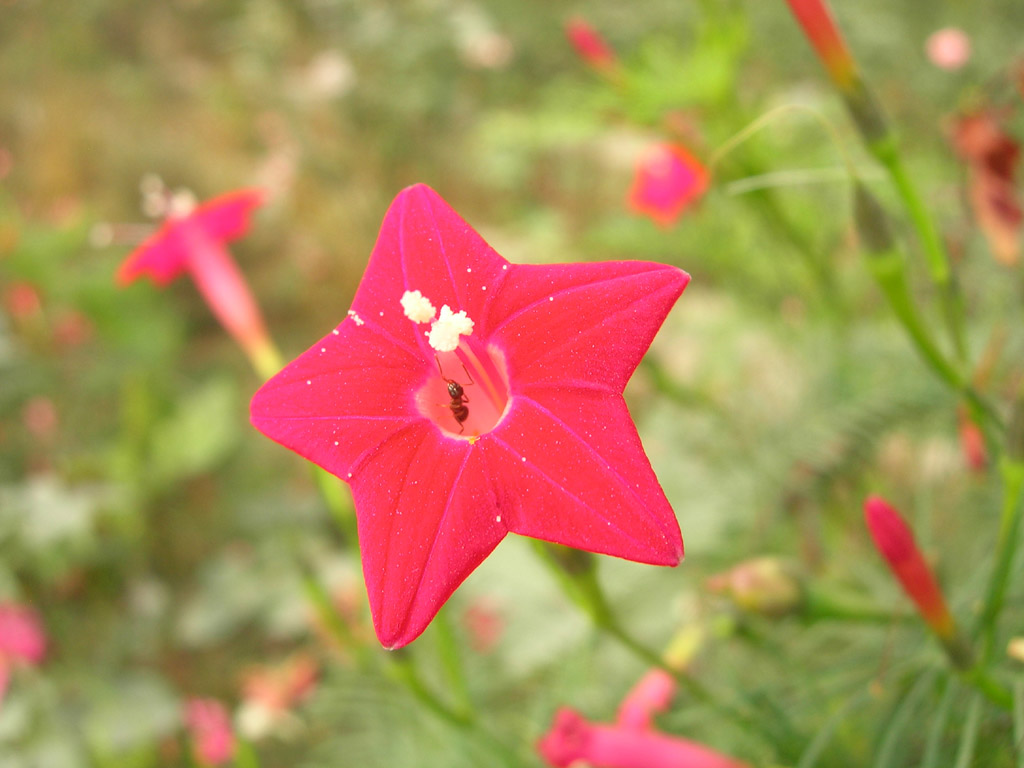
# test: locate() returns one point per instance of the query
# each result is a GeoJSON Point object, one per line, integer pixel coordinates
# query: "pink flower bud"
{"type": "Point", "coordinates": [589, 44]}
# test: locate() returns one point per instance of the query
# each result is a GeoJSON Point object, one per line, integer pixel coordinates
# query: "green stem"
{"type": "Point", "coordinates": [245, 755]}
{"type": "Point", "coordinates": [1006, 547]}
{"type": "Point", "coordinates": [991, 688]}
{"type": "Point", "coordinates": [887, 153]}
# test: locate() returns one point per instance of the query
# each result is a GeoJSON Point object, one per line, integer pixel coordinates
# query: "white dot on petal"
{"type": "Point", "coordinates": [551, 298]}
{"type": "Point", "coordinates": [350, 474]}
{"type": "Point", "coordinates": [504, 266]}
{"type": "Point", "coordinates": [335, 331]}
{"type": "Point", "coordinates": [323, 349]}
{"type": "Point", "coordinates": [523, 458]}
{"type": "Point", "coordinates": [483, 287]}
{"type": "Point", "coordinates": [382, 314]}
{"type": "Point", "coordinates": [497, 519]}
{"type": "Point", "coordinates": [469, 269]}
{"type": "Point", "coordinates": [335, 442]}
{"type": "Point", "coordinates": [309, 381]}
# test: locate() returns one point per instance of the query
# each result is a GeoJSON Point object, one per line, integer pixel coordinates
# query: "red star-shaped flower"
{"type": "Point", "coordinates": [505, 415]}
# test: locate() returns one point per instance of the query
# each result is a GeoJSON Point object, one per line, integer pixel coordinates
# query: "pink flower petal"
{"type": "Point", "coordinates": [164, 255]}
{"type": "Point", "coordinates": [564, 463]}
{"type": "Point", "coordinates": [574, 472]}
{"type": "Point", "coordinates": [427, 518]}
{"type": "Point", "coordinates": [21, 634]}
{"type": "Point", "coordinates": [651, 695]}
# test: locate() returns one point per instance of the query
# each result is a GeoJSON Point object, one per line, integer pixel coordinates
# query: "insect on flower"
{"type": "Point", "coordinates": [458, 396]}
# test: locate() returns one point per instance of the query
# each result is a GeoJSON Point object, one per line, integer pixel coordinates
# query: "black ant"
{"type": "Point", "coordinates": [458, 396]}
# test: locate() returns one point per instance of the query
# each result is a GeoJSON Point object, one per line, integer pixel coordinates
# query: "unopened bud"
{"type": "Point", "coordinates": [768, 586]}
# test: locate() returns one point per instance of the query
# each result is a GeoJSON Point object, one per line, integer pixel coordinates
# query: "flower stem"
{"type": "Point", "coordinates": [1006, 547]}
{"type": "Point", "coordinates": [887, 153]}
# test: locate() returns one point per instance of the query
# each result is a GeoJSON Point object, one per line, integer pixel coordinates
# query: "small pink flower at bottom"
{"type": "Point", "coordinates": [22, 640]}
{"type": "Point", "coordinates": [270, 693]}
{"type": "Point", "coordinates": [194, 243]}
{"type": "Point", "coordinates": [668, 179]}
{"type": "Point", "coordinates": [464, 398]}
{"type": "Point", "coordinates": [896, 543]}
{"type": "Point", "coordinates": [209, 724]}
{"type": "Point", "coordinates": [21, 634]}
{"type": "Point", "coordinates": [650, 696]}
{"type": "Point", "coordinates": [572, 739]}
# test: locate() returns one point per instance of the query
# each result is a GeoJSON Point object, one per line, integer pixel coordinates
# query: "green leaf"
{"type": "Point", "coordinates": [200, 433]}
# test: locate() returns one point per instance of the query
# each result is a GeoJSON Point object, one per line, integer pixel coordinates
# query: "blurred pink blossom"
{"type": "Point", "coordinates": [572, 739]}
{"type": "Point", "coordinates": [192, 240]}
{"type": "Point", "coordinates": [21, 634]}
{"type": "Point", "coordinates": [589, 44]}
{"type": "Point", "coordinates": [40, 417]}
{"type": "Point", "coordinates": [652, 695]}
{"type": "Point", "coordinates": [948, 48]}
{"type": "Point", "coordinates": [209, 724]}
{"type": "Point", "coordinates": [22, 640]}
{"type": "Point", "coordinates": [22, 300]}
{"type": "Point", "coordinates": [667, 181]}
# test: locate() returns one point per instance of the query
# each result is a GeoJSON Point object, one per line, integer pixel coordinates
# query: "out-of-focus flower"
{"type": "Point", "coordinates": [22, 300]}
{"type": "Point", "coordinates": [589, 44]}
{"type": "Point", "coordinates": [766, 585]}
{"type": "Point", "coordinates": [22, 640]}
{"type": "Point", "coordinates": [40, 417]}
{"type": "Point", "coordinates": [270, 693]}
{"type": "Point", "coordinates": [1015, 649]}
{"type": "Point", "coordinates": [209, 725]}
{"type": "Point", "coordinates": [193, 242]}
{"type": "Point", "coordinates": [572, 739]}
{"type": "Point", "coordinates": [948, 48]}
{"type": "Point", "coordinates": [484, 624]}
{"type": "Point", "coordinates": [505, 416]}
{"type": "Point", "coordinates": [895, 541]}
{"type": "Point", "coordinates": [992, 157]}
{"type": "Point", "coordinates": [652, 695]}
{"type": "Point", "coordinates": [972, 441]}
{"type": "Point", "coordinates": [668, 179]}
{"type": "Point", "coordinates": [72, 329]}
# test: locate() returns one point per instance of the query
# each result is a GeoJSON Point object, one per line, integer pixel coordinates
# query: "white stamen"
{"type": "Point", "coordinates": [444, 333]}
{"type": "Point", "coordinates": [417, 307]}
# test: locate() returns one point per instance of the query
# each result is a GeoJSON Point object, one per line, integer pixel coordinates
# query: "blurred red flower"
{"type": "Point", "coordinates": [505, 416]}
{"type": "Point", "coordinates": [209, 724]}
{"type": "Point", "coordinates": [816, 20]}
{"type": "Point", "coordinates": [194, 243]}
{"type": "Point", "coordinates": [589, 44]}
{"type": "Point", "coordinates": [668, 179]}
{"type": "Point", "coordinates": [992, 157]}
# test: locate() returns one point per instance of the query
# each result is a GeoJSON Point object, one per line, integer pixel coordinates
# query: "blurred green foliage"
{"type": "Point", "coordinates": [169, 547]}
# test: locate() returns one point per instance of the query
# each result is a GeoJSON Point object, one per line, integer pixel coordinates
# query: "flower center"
{"type": "Point", "coordinates": [466, 394]}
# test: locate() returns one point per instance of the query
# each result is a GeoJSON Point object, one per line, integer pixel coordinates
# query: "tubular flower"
{"type": "Point", "coordinates": [895, 541]}
{"type": "Point", "coordinates": [668, 179]}
{"type": "Point", "coordinates": [193, 242]}
{"type": "Point", "coordinates": [573, 739]}
{"type": "Point", "coordinates": [488, 403]}
{"type": "Point", "coordinates": [209, 724]}
{"type": "Point", "coordinates": [820, 29]}
{"type": "Point", "coordinates": [589, 44]}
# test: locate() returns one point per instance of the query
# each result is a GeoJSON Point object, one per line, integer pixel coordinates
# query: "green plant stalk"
{"type": "Point", "coordinates": [1006, 547]}
{"type": "Point", "coordinates": [888, 271]}
{"type": "Point", "coordinates": [451, 660]}
{"type": "Point", "coordinates": [886, 151]}
{"type": "Point", "coordinates": [827, 605]}
{"type": "Point", "coordinates": [245, 755]}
